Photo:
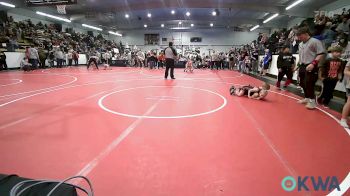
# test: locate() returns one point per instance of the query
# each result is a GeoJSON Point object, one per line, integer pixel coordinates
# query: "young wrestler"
{"type": "Point", "coordinates": [330, 73]}
{"type": "Point", "coordinates": [189, 65]}
{"type": "Point", "coordinates": [106, 66]}
{"type": "Point", "coordinates": [25, 65]}
{"type": "Point", "coordinates": [250, 91]}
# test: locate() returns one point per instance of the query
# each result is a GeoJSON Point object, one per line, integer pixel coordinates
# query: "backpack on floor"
{"type": "Point", "coordinates": [13, 185]}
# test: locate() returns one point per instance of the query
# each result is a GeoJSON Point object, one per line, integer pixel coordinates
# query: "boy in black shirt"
{"type": "Point", "coordinates": [330, 73]}
{"type": "Point", "coordinates": [285, 65]}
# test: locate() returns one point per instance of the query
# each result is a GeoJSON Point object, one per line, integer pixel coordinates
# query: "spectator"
{"type": "Point", "coordinates": [59, 55]}
{"type": "Point", "coordinates": [42, 57]}
{"type": "Point", "coordinates": [231, 59]}
{"type": "Point", "coordinates": [344, 26]}
{"type": "Point", "coordinates": [33, 57]}
{"type": "Point", "coordinates": [328, 35]}
{"type": "Point", "coordinates": [3, 64]}
{"type": "Point", "coordinates": [76, 57]}
{"type": "Point", "coordinates": [152, 60]}
{"type": "Point", "coordinates": [330, 73]}
{"type": "Point", "coordinates": [266, 62]}
{"type": "Point", "coordinates": [70, 57]}
{"type": "Point", "coordinates": [12, 45]}
{"type": "Point", "coordinates": [161, 60]}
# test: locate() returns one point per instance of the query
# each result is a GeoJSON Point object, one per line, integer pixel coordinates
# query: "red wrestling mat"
{"type": "Point", "coordinates": [133, 133]}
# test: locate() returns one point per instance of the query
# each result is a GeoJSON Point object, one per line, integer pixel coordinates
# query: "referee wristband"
{"type": "Point", "coordinates": [315, 62]}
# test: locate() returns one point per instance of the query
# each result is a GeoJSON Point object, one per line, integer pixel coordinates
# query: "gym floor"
{"type": "Point", "coordinates": [133, 133]}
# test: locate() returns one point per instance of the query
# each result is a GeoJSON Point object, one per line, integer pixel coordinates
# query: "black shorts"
{"type": "Point", "coordinates": [266, 66]}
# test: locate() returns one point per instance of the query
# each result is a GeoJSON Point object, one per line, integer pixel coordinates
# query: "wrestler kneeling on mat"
{"type": "Point", "coordinates": [251, 91]}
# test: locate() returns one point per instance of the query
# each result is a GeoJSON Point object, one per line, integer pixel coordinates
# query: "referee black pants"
{"type": "Point", "coordinates": [170, 65]}
{"type": "Point", "coordinates": [308, 81]}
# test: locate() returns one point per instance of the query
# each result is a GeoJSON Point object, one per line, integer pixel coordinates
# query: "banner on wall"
{"type": "Point", "coordinates": [61, 9]}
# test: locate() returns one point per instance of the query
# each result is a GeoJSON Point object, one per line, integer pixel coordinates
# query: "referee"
{"type": "Point", "coordinates": [170, 56]}
{"type": "Point", "coordinates": [311, 52]}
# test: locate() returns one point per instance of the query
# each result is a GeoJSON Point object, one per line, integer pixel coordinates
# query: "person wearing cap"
{"type": "Point", "coordinates": [311, 52]}
{"type": "Point", "coordinates": [285, 65]}
{"type": "Point", "coordinates": [330, 73]}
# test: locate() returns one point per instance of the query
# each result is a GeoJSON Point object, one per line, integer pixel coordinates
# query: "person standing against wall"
{"type": "Point", "coordinates": [266, 62]}
{"type": "Point", "coordinates": [76, 57]}
{"type": "Point", "coordinates": [70, 57]}
{"type": "Point", "coordinates": [161, 59]}
{"type": "Point", "coordinates": [170, 56]}
{"type": "Point", "coordinates": [231, 55]}
{"type": "Point", "coordinates": [33, 57]}
{"type": "Point", "coordinates": [3, 64]}
{"type": "Point", "coordinates": [311, 52]}
{"type": "Point", "coordinates": [42, 57]}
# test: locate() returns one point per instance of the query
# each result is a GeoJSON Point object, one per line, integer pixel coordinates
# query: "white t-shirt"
{"type": "Point", "coordinates": [309, 50]}
{"type": "Point", "coordinates": [169, 54]}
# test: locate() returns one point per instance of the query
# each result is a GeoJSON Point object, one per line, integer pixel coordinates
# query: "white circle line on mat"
{"type": "Point", "coordinates": [100, 103]}
{"type": "Point", "coordinates": [18, 81]}
{"type": "Point", "coordinates": [42, 89]}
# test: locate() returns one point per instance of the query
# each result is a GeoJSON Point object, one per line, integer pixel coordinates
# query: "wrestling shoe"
{"type": "Point", "coordinates": [344, 123]}
{"type": "Point", "coordinates": [311, 105]}
{"type": "Point", "coordinates": [288, 82]}
{"type": "Point", "coordinates": [303, 101]}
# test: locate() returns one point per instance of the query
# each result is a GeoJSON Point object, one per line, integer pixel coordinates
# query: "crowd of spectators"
{"type": "Point", "coordinates": [50, 42]}
{"type": "Point", "coordinates": [331, 30]}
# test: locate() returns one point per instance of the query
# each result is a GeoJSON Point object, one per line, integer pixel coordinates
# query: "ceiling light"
{"type": "Point", "coordinates": [188, 14]}
{"type": "Point", "coordinates": [7, 4]}
{"type": "Point", "coordinates": [127, 16]}
{"type": "Point", "coordinates": [211, 24]}
{"type": "Point", "coordinates": [255, 27]}
{"type": "Point", "coordinates": [52, 16]}
{"type": "Point", "coordinates": [162, 25]}
{"type": "Point", "coordinates": [115, 33]}
{"type": "Point", "coordinates": [179, 28]}
{"type": "Point", "coordinates": [213, 13]}
{"type": "Point", "coordinates": [149, 15]}
{"type": "Point", "coordinates": [192, 25]}
{"type": "Point", "coordinates": [294, 4]}
{"type": "Point", "coordinates": [92, 27]}
{"type": "Point", "coordinates": [272, 17]}
{"type": "Point", "coordinates": [180, 23]}
{"type": "Point", "coordinates": [145, 26]}
{"type": "Point", "coordinates": [173, 12]}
